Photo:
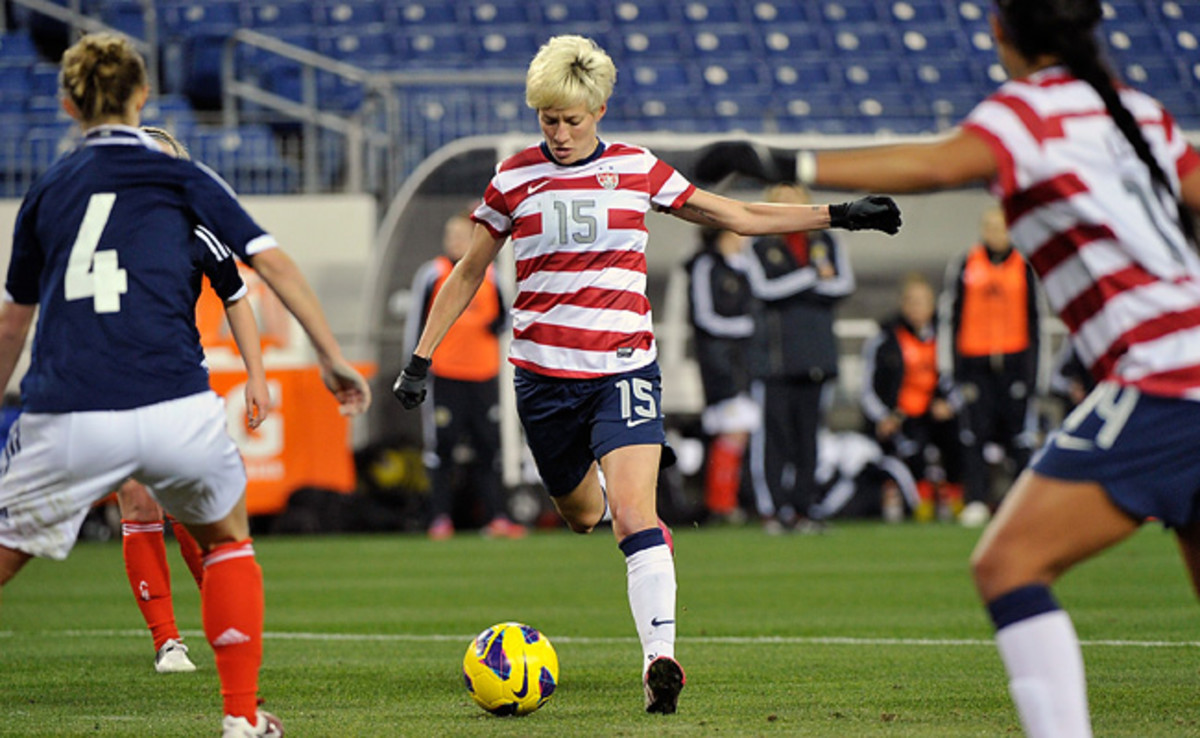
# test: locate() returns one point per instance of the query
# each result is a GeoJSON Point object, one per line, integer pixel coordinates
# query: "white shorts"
{"type": "Point", "coordinates": [56, 465]}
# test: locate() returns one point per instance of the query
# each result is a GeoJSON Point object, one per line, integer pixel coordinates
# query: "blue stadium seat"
{"type": "Point", "coordinates": [1122, 12]}
{"type": "Point", "coordinates": [433, 47]}
{"type": "Point", "coordinates": [950, 73]}
{"type": "Point", "coordinates": [1179, 10]}
{"type": "Point", "coordinates": [426, 13]}
{"type": "Point", "coordinates": [748, 76]}
{"type": "Point", "coordinates": [199, 17]}
{"type": "Point", "coordinates": [653, 41]}
{"type": "Point", "coordinates": [706, 12]}
{"type": "Point", "coordinates": [652, 75]}
{"type": "Point", "coordinates": [172, 112]}
{"type": "Point", "coordinates": [1141, 41]}
{"type": "Point", "coordinates": [792, 42]}
{"type": "Point", "coordinates": [877, 74]}
{"type": "Point", "coordinates": [356, 13]}
{"type": "Point", "coordinates": [726, 42]}
{"type": "Point", "coordinates": [917, 11]}
{"type": "Point", "coordinates": [931, 41]}
{"type": "Point", "coordinates": [642, 12]}
{"type": "Point", "coordinates": [849, 11]}
{"type": "Point", "coordinates": [732, 110]}
{"type": "Point", "coordinates": [951, 107]}
{"type": "Point", "coordinates": [781, 12]}
{"type": "Point", "coordinates": [862, 39]}
{"type": "Point", "coordinates": [127, 17]}
{"type": "Point", "coordinates": [500, 13]}
{"type": "Point", "coordinates": [799, 78]}
{"type": "Point", "coordinates": [511, 46]}
{"type": "Point", "coordinates": [1159, 76]}
{"type": "Point", "coordinates": [366, 46]}
{"type": "Point", "coordinates": [278, 14]}
{"type": "Point", "coordinates": [573, 16]}
{"type": "Point", "coordinates": [17, 46]}
{"type": "Point", "coordinates": [43, 78]}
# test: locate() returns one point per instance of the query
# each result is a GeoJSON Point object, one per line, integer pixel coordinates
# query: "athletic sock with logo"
{"type": "Point", "coordinates": [190, 550]}
{"type": "Point", "coordinates": [232, 609]}
{"type": "Point", "coordinates": [146, 566]}
{"type": "Point", "coordinates": [650, 571]}
{"type": "Point", "coordinates": [1038, 645]}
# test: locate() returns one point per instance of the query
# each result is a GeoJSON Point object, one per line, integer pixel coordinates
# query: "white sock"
{"type": "Point", "coordinates": [651, 579]}
{"type": "Point", "coordinates": [1046, 679]}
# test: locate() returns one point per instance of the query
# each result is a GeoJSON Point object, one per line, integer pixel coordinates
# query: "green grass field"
{"type": "Point", "coordinates": [870, 630]}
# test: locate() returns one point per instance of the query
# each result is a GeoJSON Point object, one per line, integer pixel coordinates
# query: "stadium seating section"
{"type": "Point", "coordinates": [830, 66]}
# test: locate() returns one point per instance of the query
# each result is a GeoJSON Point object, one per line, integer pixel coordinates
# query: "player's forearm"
{"type": "Point", "coordinates": [451, 300]}
{"type": "Point", "coordinates": [244, 328]}
{"type": "Point", "coordinates": [287, 281]}
{"type": "Point", "coordinates": [15, 321]}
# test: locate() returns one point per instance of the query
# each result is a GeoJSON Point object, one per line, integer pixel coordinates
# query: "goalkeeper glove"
{"type": "Point", "coordinates": [717, 161]}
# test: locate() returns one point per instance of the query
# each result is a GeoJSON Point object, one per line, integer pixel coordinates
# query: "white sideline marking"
{"type": "Point", "coordinates": [717, 640]}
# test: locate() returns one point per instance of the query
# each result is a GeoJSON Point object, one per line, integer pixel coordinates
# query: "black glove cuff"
{"type": "Point", "coordinates": [418, 367]}
{"type": "Point", "coordinates": [838, 215]}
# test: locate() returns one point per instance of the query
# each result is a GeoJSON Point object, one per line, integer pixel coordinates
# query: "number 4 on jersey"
{"type": "Point", "coordinates": [91, 273]}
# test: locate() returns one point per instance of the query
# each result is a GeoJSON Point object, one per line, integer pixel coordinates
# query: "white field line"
{"type": "Point", "coordinates": [588, 640]}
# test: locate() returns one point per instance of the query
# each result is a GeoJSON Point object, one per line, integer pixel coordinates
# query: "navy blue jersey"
{"type": "Point", "coordinates": [111, 244]}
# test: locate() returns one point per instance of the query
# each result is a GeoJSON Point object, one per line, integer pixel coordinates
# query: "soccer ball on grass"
{"type": "Point", "coordinates": [510, 669]}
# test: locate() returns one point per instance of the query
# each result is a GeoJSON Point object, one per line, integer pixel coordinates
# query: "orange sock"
{"type": "Point", "coordinates": [232, 608]}
{"type": "Point", "coordinates": [146, 566]}
{"type": "Point", "coordinates": [724, 475]}
{"type": "Point", "coordinates": [190, 550]}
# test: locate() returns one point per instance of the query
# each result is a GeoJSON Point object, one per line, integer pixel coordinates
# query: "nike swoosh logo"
{"type": "Point", "coordinates": [524, 690]}
{"type": "Point", "coordinates": [1072, 443]}
{"type": "Point", "coordinates": [636, 423]}
{"type": "Point", "coordinates": [535, 187]}
{"type": "Point", "coordinates": [656, 622]}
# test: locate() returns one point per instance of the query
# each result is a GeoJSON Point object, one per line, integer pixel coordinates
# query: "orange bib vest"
{"type": "Point", "coordinates": [470, 352]}
{"type": "Point", "coordinates": [920, 373]}
{"type": "Point", "coordinates": [995, 305]}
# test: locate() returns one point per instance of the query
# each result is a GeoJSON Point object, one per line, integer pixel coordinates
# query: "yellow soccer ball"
{"type": "Point", "coordinates": [510, 669]}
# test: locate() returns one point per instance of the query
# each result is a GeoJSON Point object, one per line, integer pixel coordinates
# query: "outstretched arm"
{"type": "Point", "coordinates": [287, 281]}
{"type": "Point", "coordinates": [959, 159]}
{"type": "Point", "coordinates": [451, 300]}
{"type": "Point", "coordinates": [762, 218]}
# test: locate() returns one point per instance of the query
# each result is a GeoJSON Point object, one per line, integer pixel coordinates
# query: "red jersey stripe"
{"type": "Point", "coordinates": [1146, 331]}
{"type": "Point", "coordinates": [626, 219]}
{"type": "Point", "coordinates": [584, 338]}
{"type": "Point", "coordinates": [560, 261]}
{"type": "Point", "coordinates": [591, 297]}
{"type": "Point", "coordinates": [1062, 246]}
{"type": "Point", "coordinates": [1091, 301]}
{"type": "Point", "coordinates": [1043, 193]}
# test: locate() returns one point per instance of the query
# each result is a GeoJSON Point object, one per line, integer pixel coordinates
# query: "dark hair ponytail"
{"type": "Point", "coordinates": [1066, 29]}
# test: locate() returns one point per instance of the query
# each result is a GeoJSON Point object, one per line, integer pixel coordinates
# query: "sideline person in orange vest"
{"type": "Point", "coordinates": [465, 393]}
{"type": "Point", "coordinates": [989, 344]}
{"type": "Point", "coordinates": [904, 400]}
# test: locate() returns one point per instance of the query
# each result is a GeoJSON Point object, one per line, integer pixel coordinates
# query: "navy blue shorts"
{"type": "Point", "coordinates": [1144, 450]}
{"type": "Point", "coordinates": [569, 423]}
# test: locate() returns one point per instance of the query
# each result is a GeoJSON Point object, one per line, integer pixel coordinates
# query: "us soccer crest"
{"type": "Point", "coordinates": [608, 179]}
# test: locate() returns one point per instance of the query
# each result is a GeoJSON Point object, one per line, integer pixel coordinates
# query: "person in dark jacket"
{"type": "Point", "coordinates": [905, 403]}
{"type": "Point", "coordinates": [797, 279]}
{"type": "Point", "coordinates": [991, 347]}
{"type": "Point", "coordinates": [719, 307]}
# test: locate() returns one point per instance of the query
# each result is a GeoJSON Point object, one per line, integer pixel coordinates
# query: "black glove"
{"type": "Point", "coordinates": [409, 387]}
{"type": "Point", "coordinates": [871, 213]}
{"type": "Point", "coordinates": [717, 161]}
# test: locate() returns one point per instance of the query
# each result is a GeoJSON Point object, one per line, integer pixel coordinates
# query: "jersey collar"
{"type": "Point", "coordinates": [600, 147]}
{"type": "Point", "coordinates": [117, 135]}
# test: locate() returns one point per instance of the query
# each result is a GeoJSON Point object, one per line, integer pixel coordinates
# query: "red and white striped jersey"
{"type": "Point", "coordinates": [579, 237]}
{"type": "Point", "coordinates": [1106, 244]}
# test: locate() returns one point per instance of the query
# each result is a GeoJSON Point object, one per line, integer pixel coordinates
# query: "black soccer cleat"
{"type": "Point", "coordinates": [664, 681]}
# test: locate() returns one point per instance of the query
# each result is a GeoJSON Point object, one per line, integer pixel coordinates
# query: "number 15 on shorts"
{"type": "Point", "coordinates": [637, 401]}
